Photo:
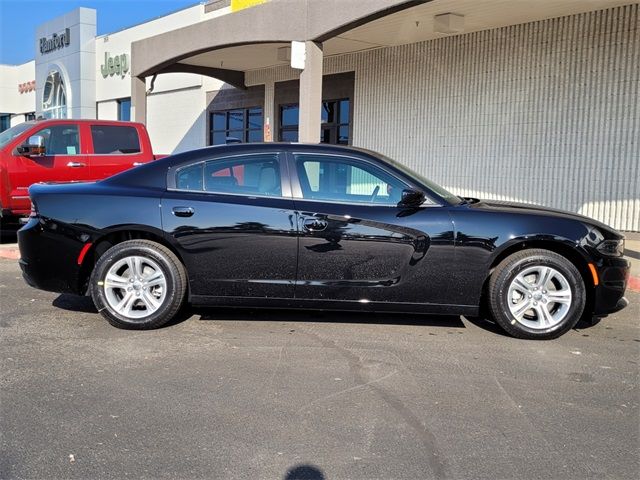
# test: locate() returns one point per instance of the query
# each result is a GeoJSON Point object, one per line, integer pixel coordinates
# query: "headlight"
{"type": "Point", "coordinates": [608, 248]}
{"type": "Point", "coordinates": [611, 248]}
{"type": "Point", "coordinates": [593, 238]}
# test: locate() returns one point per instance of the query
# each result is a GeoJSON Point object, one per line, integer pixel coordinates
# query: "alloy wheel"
{"type": "Point", "coordinates": [539, 297]}
{"type": "Point", "coordinates": [135, 287]}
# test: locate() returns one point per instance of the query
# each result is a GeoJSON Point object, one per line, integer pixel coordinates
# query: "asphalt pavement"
{"type": "Point", "coordinates": [299, 395]}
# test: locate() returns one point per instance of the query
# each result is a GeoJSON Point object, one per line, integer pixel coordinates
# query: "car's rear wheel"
{"type": "Point", "coordinates": [536, 294]}
{"type": "Point", "coordinates": [138, 284]}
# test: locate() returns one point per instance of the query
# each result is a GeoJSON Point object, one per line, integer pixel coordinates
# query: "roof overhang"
{"type": "Point", "coordinates": [227, 46]}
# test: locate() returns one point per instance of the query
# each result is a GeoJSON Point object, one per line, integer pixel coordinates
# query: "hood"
{"type": "Point", "coordinates": [528, 208]}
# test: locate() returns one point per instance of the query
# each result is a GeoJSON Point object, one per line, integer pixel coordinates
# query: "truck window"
{"type": "Point", "coordinates": [61, 139]}
{"type": "Point", "coordinates": [114, 139]}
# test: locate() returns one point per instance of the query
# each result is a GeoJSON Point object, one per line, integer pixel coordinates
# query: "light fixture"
{"type": "Point", "coordinates": [448, 23]}
{"type": "Point", "coordinates": [284, 54]}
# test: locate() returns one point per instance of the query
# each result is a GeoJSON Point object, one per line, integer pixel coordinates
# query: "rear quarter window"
{"type": "Point", "coordinates": [115, 139]}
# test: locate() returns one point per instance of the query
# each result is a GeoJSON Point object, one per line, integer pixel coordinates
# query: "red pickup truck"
{"type": "Point", "coordinates": [65, 151]}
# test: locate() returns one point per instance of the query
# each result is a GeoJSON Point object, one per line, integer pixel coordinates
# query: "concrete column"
{"type": "Point", "coordinates": [269, 111]}
{"type": "Point", "coordinates": [138, 100]}
{"type": "Point", "coordinates": [311, 94]}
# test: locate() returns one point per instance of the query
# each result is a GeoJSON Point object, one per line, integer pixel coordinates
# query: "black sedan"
{"type": "Point", "coordinates": [315, 226]}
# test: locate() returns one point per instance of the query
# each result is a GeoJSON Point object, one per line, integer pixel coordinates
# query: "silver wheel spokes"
{"type": "Point", "coordinates": [135, 287]}
{"type": "Point", "coordinates": [539, 297]}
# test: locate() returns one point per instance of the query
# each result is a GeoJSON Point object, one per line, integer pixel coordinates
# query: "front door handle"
{"type": "Point", "coordinates": [76, 164]}
{"type": "Point", "coordinates": [183, 211]}
{"type": "Point", "coordinates": [314, 224]}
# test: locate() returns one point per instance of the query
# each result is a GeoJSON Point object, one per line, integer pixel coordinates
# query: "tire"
{"type": "Point", "coordinates": [154, 293]}
{"type": "Point", "coordinates": [536, 294]}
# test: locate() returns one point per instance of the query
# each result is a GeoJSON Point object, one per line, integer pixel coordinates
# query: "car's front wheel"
{"type": "Point", "coordinates": [536, 294]}
{"type": "Point", "coordinates": [138, 284]}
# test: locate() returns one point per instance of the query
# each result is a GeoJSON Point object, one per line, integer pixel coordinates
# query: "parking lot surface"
{"type": "Point", "coordinates": [283, 395]}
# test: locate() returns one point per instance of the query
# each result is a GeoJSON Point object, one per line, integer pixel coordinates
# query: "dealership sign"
{"type": "Point", "coordinates": [55, 42]}
{"type": "Point", "coordinates": [27, 86]}
{"type": "Point", "coordinates": [118, 65]}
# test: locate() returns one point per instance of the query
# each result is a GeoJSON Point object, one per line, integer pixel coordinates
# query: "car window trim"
{"type": "Point", "coordinates": [285, 183]}
{"type": "Point", "coordinates": [297, 193]}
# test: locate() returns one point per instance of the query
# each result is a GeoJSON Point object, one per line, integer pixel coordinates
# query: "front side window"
{"type": "Point", "coordinates": [8, 135]}
{"type": "Point", "coordinates": [61, 140]}
{"type": "Point", "coordinates": [114, 139]}
{"type": "Point", "coordinates": [243, 125]}
{"type": "Point", "coordinates": [339, 179]}
{"type": "Point", "coordinates": [246, 175]}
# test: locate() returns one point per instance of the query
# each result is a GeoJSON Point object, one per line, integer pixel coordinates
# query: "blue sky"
{"type": "Point", "coordinates": [20, 18]}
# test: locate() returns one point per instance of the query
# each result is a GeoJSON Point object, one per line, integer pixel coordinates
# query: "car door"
{"type": "Point", "coordinates": [233, 220]}
{"type": "Point", "coordinates": [356, 244]}
{"type": "Point", "coordinates": [63, 161]}
{"type": "Point", "coordinates": [114, 148]}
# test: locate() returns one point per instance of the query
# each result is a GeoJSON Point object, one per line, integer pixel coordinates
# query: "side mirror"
{"type": "Point", "coordinates": [412, 198]}
{"type": "Point", "coordinates": [33, 148]}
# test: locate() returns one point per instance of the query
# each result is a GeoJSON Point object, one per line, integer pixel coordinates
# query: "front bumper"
{"type": "Point", "coordinates": [613, 276]}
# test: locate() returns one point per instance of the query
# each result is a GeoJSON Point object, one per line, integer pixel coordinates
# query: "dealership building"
{"type": "Point", "coordinates": [511, 100]}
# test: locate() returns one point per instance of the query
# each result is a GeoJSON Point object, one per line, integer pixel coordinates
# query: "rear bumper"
{"type": "Point", "coordinates": [48, 259]}
{"type": "Point", "coordinates": [613, 275]}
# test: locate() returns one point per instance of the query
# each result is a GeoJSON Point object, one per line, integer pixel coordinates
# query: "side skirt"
{"type": "Point", "coordinates": [427, 308]}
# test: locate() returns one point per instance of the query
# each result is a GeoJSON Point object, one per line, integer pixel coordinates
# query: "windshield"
{"type": "Point", "coordinates": [442, 192]}
{"type": "Point", "coordinates": [13, 132]}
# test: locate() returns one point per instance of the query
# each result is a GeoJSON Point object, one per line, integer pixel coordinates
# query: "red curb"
{"type": "Point", "coordinates": [634, 284]}
{"type": "Point", "coordinates": [10, 253]}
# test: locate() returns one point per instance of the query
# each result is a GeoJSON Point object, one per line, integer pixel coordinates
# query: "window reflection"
{"type": "Point", "coordinates": [335, 119]}
{"type": "Point", "coordinates": [236, 126]}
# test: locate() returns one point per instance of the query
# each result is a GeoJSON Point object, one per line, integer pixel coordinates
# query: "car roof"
{"type": "Point", "coordinates": [65, 121]}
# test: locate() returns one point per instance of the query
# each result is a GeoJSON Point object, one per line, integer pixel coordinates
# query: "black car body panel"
{"type": "Point", "coordinates": [289, 251]}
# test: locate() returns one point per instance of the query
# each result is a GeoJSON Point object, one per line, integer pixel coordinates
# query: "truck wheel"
{"type": "Point", "coordinates": [536, 294]}
{"type": "Point", "coordinates": [138, 285]}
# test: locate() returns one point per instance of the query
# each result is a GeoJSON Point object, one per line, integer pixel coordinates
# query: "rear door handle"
{"type": "Point", "coordinates": [183, 211]}
{"type": "Point", "coordinates": [314, 224]}
{"type": "Point", "coordinates": [76, 164]}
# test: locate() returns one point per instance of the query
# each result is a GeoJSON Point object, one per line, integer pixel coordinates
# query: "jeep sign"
{"type": "Point", "coordinates": [118, 65]}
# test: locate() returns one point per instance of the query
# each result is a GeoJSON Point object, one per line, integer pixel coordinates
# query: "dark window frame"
{"type": "Point", "coordinates": [120, 101]}
{"type": "Point", "coordinates": [246, 127]}
{"type": "Point", "coordinates": [335, 125]}
{"type": "Point", "coordinates": [5, 122]}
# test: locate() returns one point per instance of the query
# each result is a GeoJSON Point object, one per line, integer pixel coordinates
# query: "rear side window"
{"type": "Point", "coordinates": [190, 178]}
{"type": "Point", "coordinates": [242, 175]}
{"type": "Point", "coordinates": [115, 139]}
